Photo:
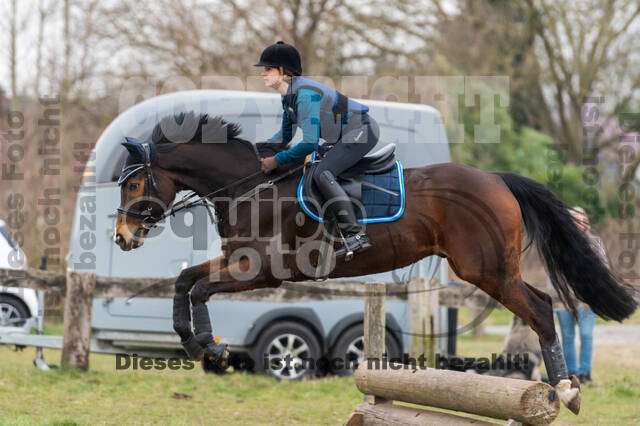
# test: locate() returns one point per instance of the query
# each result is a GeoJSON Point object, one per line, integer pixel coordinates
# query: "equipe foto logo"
{"type": "Point", "coordinates": [133, 362]}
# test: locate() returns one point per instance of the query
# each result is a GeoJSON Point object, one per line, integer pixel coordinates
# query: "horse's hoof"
{"type": "Point", "coordinates": [569, 393]}
{"type": "Point", "coordinates": [213, 367]}
{"type": "Point", "coordinates": [217, 353]}
{"type": "Point", "coordinates": [575, 382]}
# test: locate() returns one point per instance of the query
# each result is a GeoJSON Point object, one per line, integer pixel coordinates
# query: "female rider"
{"type": "Point", "coordinates": [322, 112]}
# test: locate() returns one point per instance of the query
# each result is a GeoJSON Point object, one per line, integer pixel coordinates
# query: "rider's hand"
{"type": "Point", "coordinates": [268, 164]}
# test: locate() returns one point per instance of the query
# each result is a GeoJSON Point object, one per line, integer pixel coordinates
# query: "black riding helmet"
{"type": "Point", "coordinates": [283, 55]}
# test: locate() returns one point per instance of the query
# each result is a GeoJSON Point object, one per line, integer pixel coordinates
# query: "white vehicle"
{"type": "Point", "coordinates": [17, 304]}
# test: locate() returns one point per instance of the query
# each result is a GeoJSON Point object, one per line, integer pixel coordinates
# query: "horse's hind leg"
{"type": "Point", "coordinates": [568, 387]}
{"type": "Point", "coordinates": [534, 307]}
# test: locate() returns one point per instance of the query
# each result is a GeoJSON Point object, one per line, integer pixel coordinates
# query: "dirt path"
{"type": "Point", "coordinates": [603, 334]}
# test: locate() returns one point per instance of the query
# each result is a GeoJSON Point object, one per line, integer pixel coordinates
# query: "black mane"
{"type": "Point", "coordinates": [200, 128]}
{"type": "Point", "coordinates": [191, 127]}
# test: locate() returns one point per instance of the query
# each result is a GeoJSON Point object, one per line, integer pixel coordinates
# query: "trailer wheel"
{"type": "Point", "coordinates": [348, 351]}
{"type": "Point", "coordinates": [287, 351]}
{"type": "Point", "coordinates": [13, 313]}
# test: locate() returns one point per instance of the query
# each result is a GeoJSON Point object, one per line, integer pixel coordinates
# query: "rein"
{"type": "Point", "coordinates": [204, 200]}
{"type": "Point", "coordinates": [184, 204]}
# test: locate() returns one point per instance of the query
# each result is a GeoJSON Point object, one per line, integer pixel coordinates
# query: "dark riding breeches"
{"type": "Point", "coordinates": [358, 138]}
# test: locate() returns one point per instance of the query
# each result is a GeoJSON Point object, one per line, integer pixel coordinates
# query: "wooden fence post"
{"type": "Point", "coordinates": [77, 320]}
{"type": "Point", "coordinates": [374, 327]}
{"type": "Point", "coordinates": [374, 320]}
{"type": "Point", "coordinates": [423, 319]}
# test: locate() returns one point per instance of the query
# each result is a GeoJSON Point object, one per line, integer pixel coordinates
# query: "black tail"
{"type": "Point", "coordinates": [572, 263]}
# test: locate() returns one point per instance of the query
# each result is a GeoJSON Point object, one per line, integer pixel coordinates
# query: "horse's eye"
{"type": "Point", "coordinates": [133, 186]}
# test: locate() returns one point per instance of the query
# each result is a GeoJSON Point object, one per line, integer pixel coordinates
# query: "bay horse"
{"type": "Point", "coordinates": [472, 217]}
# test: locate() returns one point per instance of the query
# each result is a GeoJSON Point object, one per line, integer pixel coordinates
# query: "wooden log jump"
{"type": "Point", "coordinates": [383, 383]}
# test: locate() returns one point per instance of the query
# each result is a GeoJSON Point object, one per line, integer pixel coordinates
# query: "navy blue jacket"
{"type": "Point", "coordinates": [309, 104]}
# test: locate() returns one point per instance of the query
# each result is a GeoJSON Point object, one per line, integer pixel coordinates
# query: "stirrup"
{"type": "Point", "coordinates": [353, 244]}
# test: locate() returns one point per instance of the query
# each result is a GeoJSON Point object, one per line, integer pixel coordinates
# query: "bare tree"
{"type": "Point", "coordinates": [13, 51]}
{"type": "Point", "coordinates": [45, 9]}
{"type": "Point", "coordinates": [190, 39]}
{"type": "Point", "coordinates": [588, 49]}
{"type": "Point", "coordinates": [15, 20]}
{"type": "Point", "coordinates": [395, 37]}
{"type": "Point", "coordinates": [225, 37]}
{"type": "Point", "coordinates": [560, 57]}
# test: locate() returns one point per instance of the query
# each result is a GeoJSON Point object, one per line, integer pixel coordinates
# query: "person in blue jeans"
{"type": "Point", "coordinates": [586, 321]}
{"type": "Point", "coordinates": [586, 317]}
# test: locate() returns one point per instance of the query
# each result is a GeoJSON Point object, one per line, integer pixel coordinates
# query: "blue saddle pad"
{"type": "Point", "coordinates": [376, 206]}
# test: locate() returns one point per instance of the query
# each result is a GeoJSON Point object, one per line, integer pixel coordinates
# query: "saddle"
{"type": "Point", "coordinates": [352, 180]}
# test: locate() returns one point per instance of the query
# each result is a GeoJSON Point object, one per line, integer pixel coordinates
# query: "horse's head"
{"type": "Point", "coordinates": [144, 195]}
{"type": "Point", "coordinates": [211, 158]}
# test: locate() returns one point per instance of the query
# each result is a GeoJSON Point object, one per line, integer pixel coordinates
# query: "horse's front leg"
{"type": "Point", "coordinates": [224, 282]}
{"type": "Point", "coordinates": [181, 304]}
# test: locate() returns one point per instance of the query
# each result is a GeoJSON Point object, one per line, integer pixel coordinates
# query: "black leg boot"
{"type": "Point", "coordinates": [182, 326]}
{"type": "Point", "coordinates": [214, 353]}
{"type": "Point", "coordinates": [341, 207]}
{"type": "Point", "coordinates": [568, 388]}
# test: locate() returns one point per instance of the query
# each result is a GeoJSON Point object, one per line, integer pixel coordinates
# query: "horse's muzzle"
{"type": "Point", "coordinates": [120, 241]}
{"type": "Point", "coordinates": [135, 242]}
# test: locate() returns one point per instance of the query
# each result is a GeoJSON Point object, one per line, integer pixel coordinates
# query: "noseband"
{"type": "Point", "coordinates": [149, 220]}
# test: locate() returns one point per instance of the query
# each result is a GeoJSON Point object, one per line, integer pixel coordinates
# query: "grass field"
{"type": "Point", "coordinates": [110, 396]}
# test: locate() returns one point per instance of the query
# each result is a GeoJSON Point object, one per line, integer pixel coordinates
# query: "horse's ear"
{"type": "Point", "coordinates": [133, 162]}
{"type": "Point", "coordinates": [134, 147]}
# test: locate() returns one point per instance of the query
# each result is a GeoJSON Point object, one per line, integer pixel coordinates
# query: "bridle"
{"type": "Point", "coordinates": [150, 220]}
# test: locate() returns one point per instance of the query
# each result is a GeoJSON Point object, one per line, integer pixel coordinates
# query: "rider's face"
{"type": "Point", "coordinates": [272, 77]}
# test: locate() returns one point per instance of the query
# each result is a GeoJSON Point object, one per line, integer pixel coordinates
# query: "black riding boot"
{"type": "Point", "coordinates": [342, 208]}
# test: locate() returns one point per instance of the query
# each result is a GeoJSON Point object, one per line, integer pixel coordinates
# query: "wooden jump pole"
{"type": "Point", "coordinates": [390, 414]}
{"type": "Point", "coordinates": [497, 397]}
